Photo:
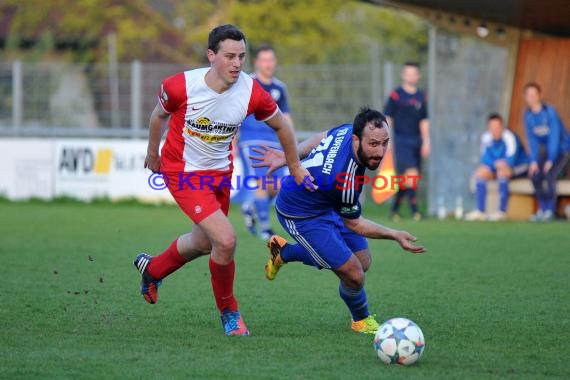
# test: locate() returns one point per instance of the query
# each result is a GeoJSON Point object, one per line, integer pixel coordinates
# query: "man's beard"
{"type": "Point", "coordinates": [364, 159]}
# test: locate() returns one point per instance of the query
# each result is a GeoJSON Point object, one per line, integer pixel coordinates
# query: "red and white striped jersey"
{"type": "Point", "coordinates": [203, 123]}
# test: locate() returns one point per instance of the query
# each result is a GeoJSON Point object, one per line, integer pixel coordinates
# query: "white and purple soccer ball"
{"type": "Point", "coordinates": [399, 341]}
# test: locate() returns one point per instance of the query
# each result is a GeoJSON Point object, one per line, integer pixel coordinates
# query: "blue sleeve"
{"type": "Point", "coordinates": [532, 139]}
{"type": "Point", "coordinates": [284, 101]}
{"type": "Point", "coordinates": [487, 159]}
{"type": "Point", "coordinates": [348, 211]}
{"type": "Point", "coordinates": [553, 146]}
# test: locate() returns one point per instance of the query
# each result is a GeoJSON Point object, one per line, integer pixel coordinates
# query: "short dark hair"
{"type": "Point", "coordinates": [495, 116]}
{"type": "Point", "coordinates": [534, 85]}
{"type": "Point", "coordinates": [365, 116]}
{"type": "Point", "coordinates": [222, 33]}
{"type": "Point", "coordinates": [412, 64]}
{"type": "Point", "coordinates": [262, 48]}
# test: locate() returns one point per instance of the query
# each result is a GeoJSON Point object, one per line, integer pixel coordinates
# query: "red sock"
{"type": "Point", "coordinates": [223, 285]}
{"type": "Point", "coordinates": [165, 263]}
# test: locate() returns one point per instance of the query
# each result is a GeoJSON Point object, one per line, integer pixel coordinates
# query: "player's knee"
{"type": "Point", "coordinates": [483, 172]}
{"type": "Point", "coordinates": [356, 279]}
{"type": "Point", "coordinates": [226, 245]}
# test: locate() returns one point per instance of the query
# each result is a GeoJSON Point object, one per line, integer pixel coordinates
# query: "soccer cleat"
{"type": "Point", "coordinates": [548, 216]}
{"type": "Point", "coordinates": [417, 216]}
{"type": "Point", "coordinates": [249, 218]}
{"type": "Point", "coordinates": [274, 262]}
{"type": "Point", "coordinates": [266, 234]}
{"type": "Point", "coordinates": [368, 325]}
{"type": "Point", "coordinates": [233, 323]}
{"type": "Point", "coordinates": [475, 215]}
{"type": "Point", "coordinates": [149, 286]}
{"type": "Point", "coordinates": [538, 217]}
{"type": "Point", "coordinates": [498, 216]}
{"type": "Point", "coordinates": [395, 217]}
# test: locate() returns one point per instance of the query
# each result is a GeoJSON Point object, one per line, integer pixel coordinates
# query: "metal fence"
{"type": "Point", "coordinates": [59, 99]}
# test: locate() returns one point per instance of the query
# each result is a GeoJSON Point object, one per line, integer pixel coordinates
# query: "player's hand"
{"type": "Point", "coordinates": [303, 177]}
{"type": "Point", "coordinates": [532, 169]}
{"type": "Point", "coordinates": [425, 150]}
{"type": "Point", "coordinates": [547, 166]}
{"type": "Point", "coordinates": [152, 161]}
{"type": "Point", "coordinates": [407, 240]}
{"type": "Point", "coordinates": [269, 157]}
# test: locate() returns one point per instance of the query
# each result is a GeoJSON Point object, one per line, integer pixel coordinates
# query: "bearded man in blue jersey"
{"type": "Point", "coordinates": [327, 225]}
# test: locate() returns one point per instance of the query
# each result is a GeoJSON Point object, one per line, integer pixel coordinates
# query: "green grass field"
{"type": "Point", "coordinates": [493, 301]}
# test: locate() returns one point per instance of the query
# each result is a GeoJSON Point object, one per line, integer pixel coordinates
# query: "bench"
{"type": "Point", "coordinates": [521, 200]}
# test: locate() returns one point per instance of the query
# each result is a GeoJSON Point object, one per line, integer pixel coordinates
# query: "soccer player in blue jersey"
{"type": "Point", "coordinates": [502, 158]}
{"type": "Point", "coordinates": [549, 144]}
{"type": "Point", "coordinates": [406, 110]}
{"type": "Point", "coordinates": [254, 134]}
{"type": "Point", "coordinates": [327, 223]}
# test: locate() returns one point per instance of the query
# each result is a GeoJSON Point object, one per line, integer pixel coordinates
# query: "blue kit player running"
{"type": "Point", "coordinates": [327, 225]}
{"type": "Point", "coordinates": [254, 134]}
{"type": "Point", "coordinates": [549, 144]}
{"type": "Point", "coordinates": [502, 158]}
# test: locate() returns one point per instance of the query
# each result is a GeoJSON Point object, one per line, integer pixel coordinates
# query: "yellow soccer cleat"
{"type": "Point", "coordinates": [274, 262]}
{"type": "Point", "coordinates": [367, 325]}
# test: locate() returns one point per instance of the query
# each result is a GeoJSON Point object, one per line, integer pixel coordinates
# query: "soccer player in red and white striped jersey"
{"type": "Point", "coordinates": [204, 108]}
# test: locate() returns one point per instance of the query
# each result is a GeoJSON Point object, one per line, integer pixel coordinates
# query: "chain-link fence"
{"type": "Point", "coordinates": [49, 99]}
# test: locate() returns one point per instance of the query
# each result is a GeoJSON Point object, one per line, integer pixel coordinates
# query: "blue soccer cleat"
{"type": "Point", "coordinates": [149, 286]}
{"type": "Point", "coordinates": [233, 323]}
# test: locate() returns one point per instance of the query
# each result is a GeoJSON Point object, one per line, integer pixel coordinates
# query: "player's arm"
{"type": "Point", "coordinates": [274, 159]}
{"type": "Point", "coordinates": [424, 132]}
{"type": "Point", "coordinates": [156, 129]}
{"type": "Point", "coordinates": [369, 229]}
{"type": "Point", "coordinates": [288, 141]}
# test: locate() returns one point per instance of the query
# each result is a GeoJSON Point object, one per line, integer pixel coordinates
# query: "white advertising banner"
{"type": "Point", "coordinates": [26, 168]}
{"type": "Point", "coordinates": [93, 168]}
{"type": "Point", "coordinates": [81, 168]}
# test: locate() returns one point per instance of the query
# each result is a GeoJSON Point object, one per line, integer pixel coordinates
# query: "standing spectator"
{"type": "Point", "coordinates": [406, 110]}
{"type": "Point", "coordinates": [502, 158]}
{"type": "Point", "coordinates": [549, 144]}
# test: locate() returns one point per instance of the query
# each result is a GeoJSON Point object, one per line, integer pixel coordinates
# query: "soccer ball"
{"type": "Point", "coordinates": [399, 341]}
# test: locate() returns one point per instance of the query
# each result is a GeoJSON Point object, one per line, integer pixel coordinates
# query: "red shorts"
{"type": "Point", "coordinates": [201, 193]}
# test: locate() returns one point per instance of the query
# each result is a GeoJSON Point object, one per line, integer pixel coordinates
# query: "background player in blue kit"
{"type": "Point", "coordinates": [406, 110]}
{"type": "Point", "coordinates": [502, 157]}
{"type": "Point", "coordinates": [327, 223]}
{"type": "Point", "coordinates": [253, 133]}
{"type": "Point", "coordinates": [549, 144]}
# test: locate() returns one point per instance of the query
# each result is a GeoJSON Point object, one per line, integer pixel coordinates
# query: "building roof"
{"type": "Point", "coordinates": [550, 17]}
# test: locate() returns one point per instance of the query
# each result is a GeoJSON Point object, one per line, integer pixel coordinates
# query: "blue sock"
{"type": "Point", "coordinates": [503, 194]}
{"type": "Point", "coordinates": [481, 194]}
{"type": "Point", "coordinates": [542, 203]}
{"type": "Point", "coordinates": [262, 210]}
{"type": "Point", "coordinates": [413, 200]}
{"type": "Point", "coordinates": [296, 252]}
{"type": "Point", "coordinates": [551, 205]}
{"type": "Point", "coordinates": [356, 301]}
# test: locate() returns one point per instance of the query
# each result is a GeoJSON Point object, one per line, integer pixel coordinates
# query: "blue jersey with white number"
{"type": "Point", "coordinates": [252, 129]}
{"type": "Point", "coordinates": [334, 167]}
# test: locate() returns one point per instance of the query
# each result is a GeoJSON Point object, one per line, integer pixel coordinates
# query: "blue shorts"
{"type": "Point", "coordinates": [407, 156]}
{"type": "Point", "coordinates": [327, 241]}
{"type": "Point", "coordinates": [245, 150]}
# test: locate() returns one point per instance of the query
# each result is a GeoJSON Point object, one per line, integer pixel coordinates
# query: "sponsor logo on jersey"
{"type": "Point", "coordinates": [541, 130]}
{"type": "Point", "coordinates": [209, 131]}
{"type": "Point", "coordinates": [329, 161]}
